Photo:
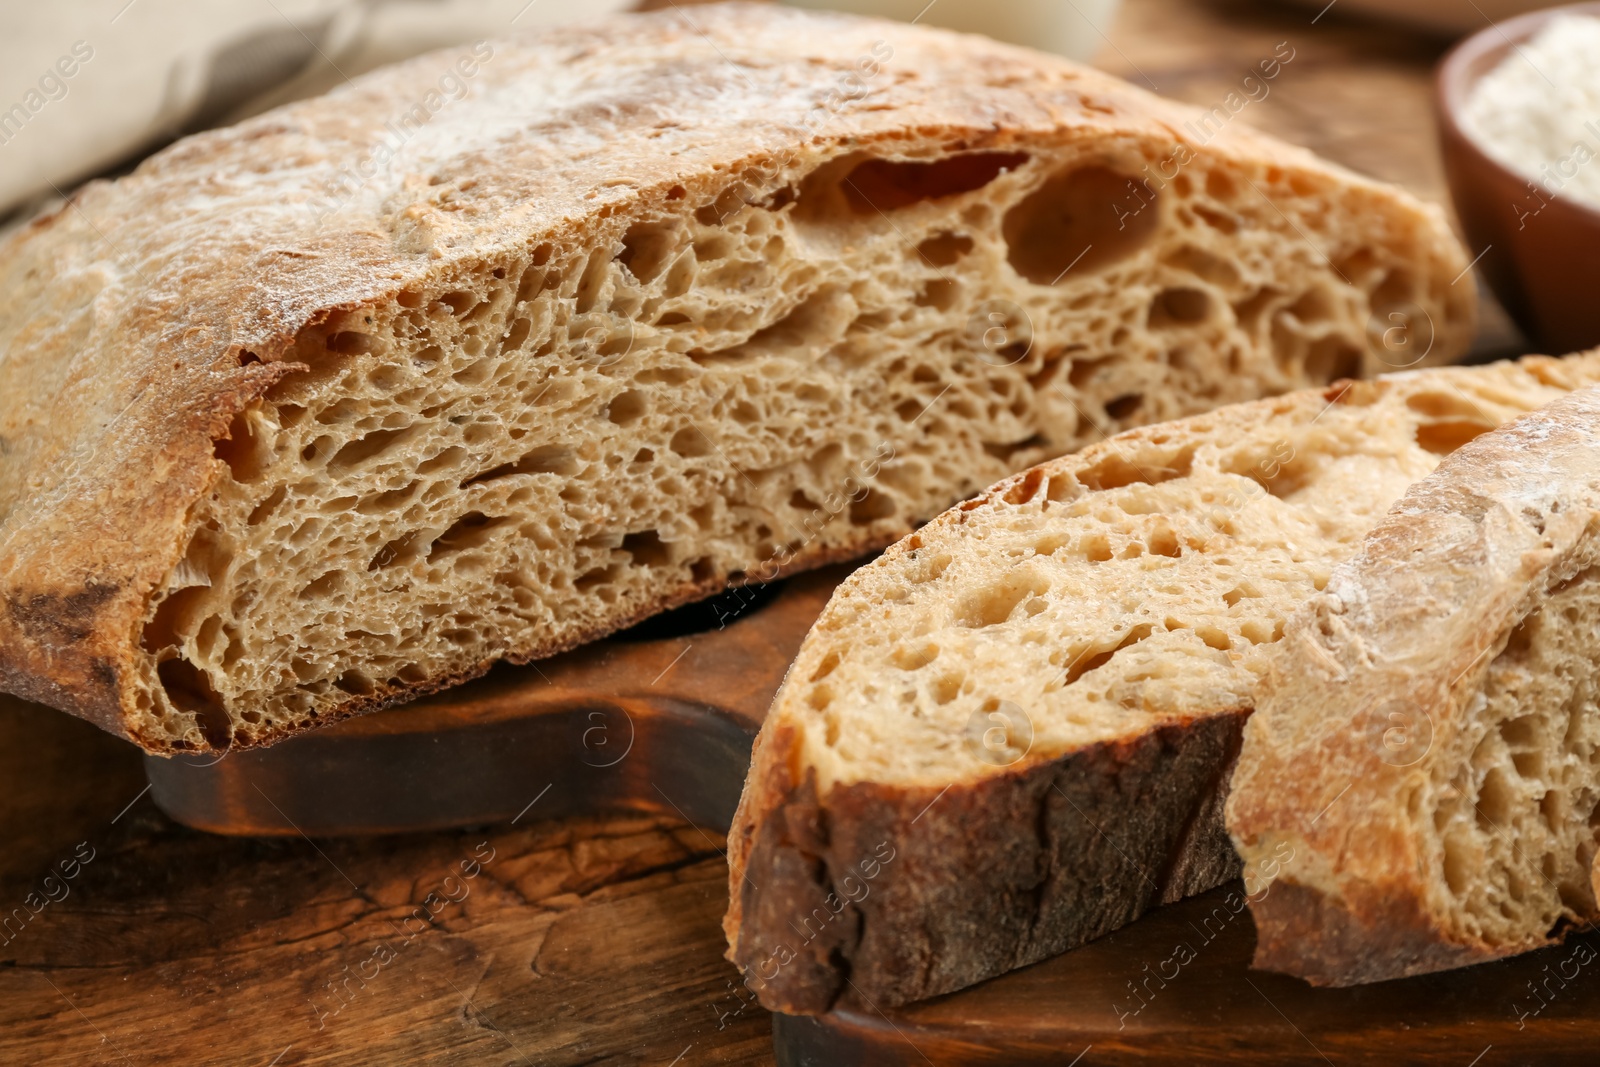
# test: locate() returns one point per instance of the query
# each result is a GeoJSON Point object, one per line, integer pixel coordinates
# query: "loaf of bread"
{"type": "Point", "coordinates": [1012, 732]}
{"type": "Point", "coordinates": [1425, 762]}
{"type": "Point", "coordinates": [499, 350]}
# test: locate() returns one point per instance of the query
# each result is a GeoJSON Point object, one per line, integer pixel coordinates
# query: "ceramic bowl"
{"type": "Point", "coordinates": [1540, 252]}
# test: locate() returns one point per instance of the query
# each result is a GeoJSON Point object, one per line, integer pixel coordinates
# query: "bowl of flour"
{"type": "Point", "coordinates": [1519, 128]}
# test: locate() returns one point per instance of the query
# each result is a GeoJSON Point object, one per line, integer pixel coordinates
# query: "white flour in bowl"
{"type": "Point", "coordinates": [1538, 111]}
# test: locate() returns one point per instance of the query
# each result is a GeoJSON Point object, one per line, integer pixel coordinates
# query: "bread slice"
{"type": "Point", "coordinates": [1012, 732]}
{"type": "Point", "coordinates": [1424, 769]}
{"type": "Point", "coordinates": [346, 402]}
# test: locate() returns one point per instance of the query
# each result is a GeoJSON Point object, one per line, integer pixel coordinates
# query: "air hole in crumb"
{"type": "Point", "coordinates": [626, 408]}
{"type": "Point", "coordinates": [1204, 265]}
{"type": "Point", "coordinates": [829, 663]}
{"type": "Point", "coordinates": [1442, 405]}
{"type": "Point", "coordinates": [1331, 358]}
{"type": "Point", "coordinates": [868, 186]}
{"type": "Point", "coordinates": [324, 585]}
{"type": "Point", "coordinates": [993, 605]}
{"type": "Point", "coordinates": [472, 530]}
{"type": "Point", "coordinates": [938, 293]}
{"type": "Point", "coordinates": [1250, 312]}
{"type": "Point", "coordinates": [690, 443]}
{"type": "Point", "coordinates": [1115, 471]}
{"type": "Point", "coordinates": [1083, 220]}
{"type": "Point", "coordinates": [1124, 406]}
{"type": "Point", "coordinates": [648, 247]}
{"type": "Point", "coordinates": [241, 450]}
{"type": "Point", "coordinates": [173, 616]}
{"type": "Point", "coordinates": [913, 658]}
{"type": "Point", "coordinates": [368, 448]}
{"type": "Point", "coordinates": [347, 343]}
{"type": "Point", "coordinates": [189, 689]}
{"type": "Point", "coordinates": [947, 687]}
{"type": "Point", "coordinates": [1314, 305]}
{"type": "Point", "coordinates": [546, 459]}
{"type": "Point", "coordinates": [1443, 438]}
{"type": "Point", "coordinates": [1083, 664]}
{"type": "Point", "coordinates": [872, 507]}
{"type": "Point", "coordinates": [1179, 307]}
{"type": "Point", "coordinates": [1163, 541]}
{"type": "Point", "coordinates": [943, 249]}
{"type": "Point", "coordinates": [355, 683]}
{"type": "Point", "coordinates": [647, 549]}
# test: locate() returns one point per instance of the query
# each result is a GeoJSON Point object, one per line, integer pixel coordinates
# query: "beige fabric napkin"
{"type": "Point", "coordinates": [87, 85]}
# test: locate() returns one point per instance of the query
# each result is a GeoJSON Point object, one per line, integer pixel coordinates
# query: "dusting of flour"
{"type": "Point", "coordinates": [1538, 112]}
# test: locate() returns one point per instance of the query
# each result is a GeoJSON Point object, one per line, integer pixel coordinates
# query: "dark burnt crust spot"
{"type": "Point", "coordinates": [989, 876]}
{"type": "Point", "coordinates": [69, 617]}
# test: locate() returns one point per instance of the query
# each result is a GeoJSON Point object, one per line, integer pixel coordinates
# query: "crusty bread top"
{"type": "Point", "coordinates": [1386, 685]}
{"type": "Point", "coordinates": [144, 314]}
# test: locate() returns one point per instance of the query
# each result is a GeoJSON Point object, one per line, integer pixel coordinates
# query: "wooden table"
{"type": "Point", "coordinates": [548, 943]}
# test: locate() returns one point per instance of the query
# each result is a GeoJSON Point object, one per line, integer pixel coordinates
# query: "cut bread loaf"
{"type": "Point", "coordinates": [1012, 732]}
{"type": "Point", "coordinates": [346, 402]}
{"type": "Point", "coordinates": [1425, 760]}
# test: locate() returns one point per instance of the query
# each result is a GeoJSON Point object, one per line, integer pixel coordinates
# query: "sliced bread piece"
{"type": "Point", "coordinates": [1425, 761]}
{"type": "Point", "coordinates": [1013, 731]}
{"type": "Point", "coordinates": [502, 348]}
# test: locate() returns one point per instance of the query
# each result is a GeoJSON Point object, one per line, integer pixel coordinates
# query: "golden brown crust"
{"type": "Point", "coordinates": [142, 315]}
{"type": "Point", "coordinates": [1405, 636]}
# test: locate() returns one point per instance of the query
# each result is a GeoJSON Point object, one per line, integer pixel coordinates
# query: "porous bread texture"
{"type": "Point", "coordinates": [648, 311]}
{"type": "Point", "coordinates": [1035, 699]}
{"type": "Point", "coordinates": [1426, 757]}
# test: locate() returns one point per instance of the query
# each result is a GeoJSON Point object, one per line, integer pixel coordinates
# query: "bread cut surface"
{"type": "Point", "coordinates": [348, 401]}
{"type": "Point", "coordinates": [1033, 702]}
{"type": "Point", "coordinates": [1426, 756]}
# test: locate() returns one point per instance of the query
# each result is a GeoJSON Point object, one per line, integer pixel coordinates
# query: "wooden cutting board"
{"type": "Point", "coordinates": [660, 720]}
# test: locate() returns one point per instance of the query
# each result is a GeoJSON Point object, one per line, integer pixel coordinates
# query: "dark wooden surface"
{"type": "Point", "coordinates": [1176, 987]}
{"type": "Point", "coordinates": [596, 940]}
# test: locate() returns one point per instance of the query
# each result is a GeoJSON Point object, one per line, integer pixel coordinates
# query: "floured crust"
{"type": "Point", "coordinates": [147, 314]}
{"type": "Point", "coordinates": [1378, 702]}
